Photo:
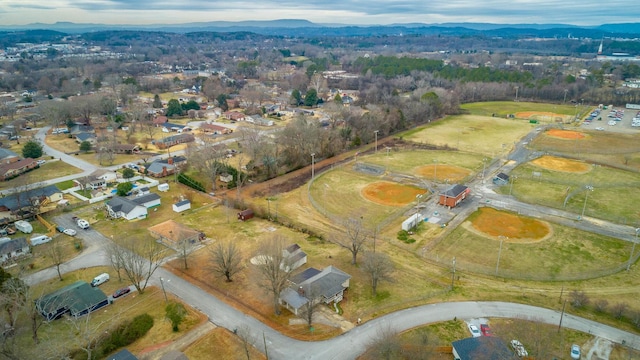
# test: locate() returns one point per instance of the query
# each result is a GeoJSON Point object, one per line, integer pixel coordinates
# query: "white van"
{"type": "Point", "coordinates": [39, 239]}
{"type": "Point", "coordinates": [100, 279]}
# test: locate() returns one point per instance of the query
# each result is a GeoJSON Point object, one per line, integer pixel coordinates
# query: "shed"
{"type": "Point", "coordinates": [245, 215]}
{"type": "Point", "coordinates": [501, 179]}
{"type": "Point", "coordinates": [181, 206]}
{"type": "Point", "coordinates": [163, 187]}
{"type": "Point", "coordinates": [411, 222]}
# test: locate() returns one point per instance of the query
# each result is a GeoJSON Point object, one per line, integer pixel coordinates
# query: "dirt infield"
{"type": "Point", "coordinates": [391, 194]}
{"type": "Point", "coordinates": [561, 164]}
{"type": "Point", "coordinates": [541, 115]}
{"type": "Point", "coordinates": [443, 172]}
{"type": "Point", "coordinates": [514, 228]}
{"type": "Point", "coordinates": [565, 134]}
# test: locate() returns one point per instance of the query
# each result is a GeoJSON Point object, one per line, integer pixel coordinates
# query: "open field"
{"type": "Point", "coordinates": [505, 108]}
{"type": "Point", "coordinates": [486, 135]}
{"type": "Point", "coordinates": [567, 252]}
{"type": "Point", "coordinates": [561, 164]}
{"type": "Point", "coordinates": [223, 344]}
{"type": "Point", "coordinates": [551, 187]}
{"type": "Point", "coordinates": [616, 149]}
{"type": "Point", "coordinates": [51, 170]}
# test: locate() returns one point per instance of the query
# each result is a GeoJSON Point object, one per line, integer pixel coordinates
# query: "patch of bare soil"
{"type": "Point", "coordinates": [560, 164]}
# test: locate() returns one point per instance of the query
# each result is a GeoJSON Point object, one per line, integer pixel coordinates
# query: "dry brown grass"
{"type": "Point", "coordinates": [561, 164]}
{"type": "Point", "coordinates": [223, 344]}
{"type": "Point", "coordinates": [443, 172]}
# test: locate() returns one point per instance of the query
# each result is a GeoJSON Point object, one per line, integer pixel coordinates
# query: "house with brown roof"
{"type": "Point", "coordinates": [170, 141]}
{"type": "Point", "coordinates": [159, 120]}
{"type": "Point", "coordinates": [7, 156]}
{"type": "Point", "coordinates": [215, 129]}
{"type": "Point", "coordinates": [14, 169]}
{"type": "Point", "coordinates": [234, 116]}
{"type": "Point", "coordinates": [173, 233]}
{"type": "Point", "coordinates": [125, 149]}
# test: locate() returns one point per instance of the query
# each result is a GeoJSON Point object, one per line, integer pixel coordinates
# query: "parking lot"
{"type": "Point", "coordinates": [610, 124]}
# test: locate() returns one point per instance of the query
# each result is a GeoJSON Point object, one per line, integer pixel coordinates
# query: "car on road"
{"type": "Point", "coordinates": [121, 292]}
{"type": "Point", "coordinates": [70, 232]}
{"type": "Point", "coordinates": [600, 128]}
{"type": "Point", "coordinates": [475, 332]}
{"type": "Point", "coordinates": [575, 351]}
{"type": "Point", "coordinates": [485, 330]}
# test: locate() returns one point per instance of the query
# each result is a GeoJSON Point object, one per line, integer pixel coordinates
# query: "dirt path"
{"type": "Point", "coordinates": [156, 351]}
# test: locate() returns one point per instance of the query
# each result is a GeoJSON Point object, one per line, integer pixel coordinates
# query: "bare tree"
{"type": "Point", "coordinates": [385, 345]}
{"type": "Point", "coordinates": [225, 259]}
{"type": "Point", "coordinates": [56, 253]}
{"type": "Point", "coordinates": [313, 301]}
{"type": "Point", "coordinates": [114, 254]}
{"type": "Point", "coordinates": [244, 334]}
{"type": "Point", "coordinates": [185, 248]}
{"type": "Point", "coordinates": [209, 159]}
{"type": "Point", "coordinates": [353, 239]}
{"type": "Point", "coordinates": [578, 299]}
{"type": "Point", "coordinates": [379, 267]}
{"type": "Point", "coordinates": [139, 260]}
{"type": "Point", "coordinates": [87, 333]}
{"type": "Point", "coordinates": [273, 267]}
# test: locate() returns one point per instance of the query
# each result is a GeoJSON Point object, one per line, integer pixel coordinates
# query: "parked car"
{"type": "Point", "coordinates": [70, 232]}
{"type": "Point", "coordinates": [60, 229]}
{"type": "Point", "coordinates": [100, 279]}
{"type": "Point", "coordinates": [575, 351]}
{"type": "Point", "coordinates": [121, 292]}
{"type": "Point", "coordinates": [474, 331]}
{"type": "Point", "coordinates": [41, 162]}
{"type": "Point", "coordinates": [486, 331]}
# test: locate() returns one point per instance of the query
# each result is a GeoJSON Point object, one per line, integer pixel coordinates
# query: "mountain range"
{"type": "Point", "coordinates": [300, 27]}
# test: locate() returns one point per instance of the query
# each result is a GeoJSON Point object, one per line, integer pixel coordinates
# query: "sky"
{"type": "Point", "coordinates": [357, 12]}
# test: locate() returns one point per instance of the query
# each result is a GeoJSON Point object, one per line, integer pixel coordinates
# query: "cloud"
{"type": "Point", "coordinates": [585, 12]}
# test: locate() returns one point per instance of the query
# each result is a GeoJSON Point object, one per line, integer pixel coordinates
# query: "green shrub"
{"type": "Point", "coordinates": [126, 333]}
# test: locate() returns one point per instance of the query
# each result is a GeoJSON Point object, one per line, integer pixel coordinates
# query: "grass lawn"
{"type": "Point", "coordinates": [225, 345]}
{"type": "Point", "coordinates": [51, 170]}
{"type": "Point", "coordinates": [485, 135]}
{"type": "Point", "coordinates": [126, 307]}
{"type": "Point", "coordinates": [504, 108]}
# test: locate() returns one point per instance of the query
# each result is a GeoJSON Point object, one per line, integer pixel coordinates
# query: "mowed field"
{"type": "Point", "coordinates": [616, 149]}
{"type": "Point", "coordinates": [505, 108]}
{"type": "Point", "coordinates": [529, 251]}
{"type": "Point", "coordinates": [486, 135]}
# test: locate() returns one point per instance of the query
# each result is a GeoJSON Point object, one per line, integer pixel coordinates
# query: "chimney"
{"type": "Point", "coordinates": [164, 171]}
{"type": "Point", "coordinates": [300, 291]}
{"type": "Point", "coordinates": [170, 161]}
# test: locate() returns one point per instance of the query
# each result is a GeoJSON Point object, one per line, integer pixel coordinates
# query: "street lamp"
{"type": "Point", "coordinates": [313, 161]}
{"type": "Point", "coordinates": [499, 252]}
{"type": "Point", "coordinates": [484, 162]}
{"type": "Point", "coordinates": [516, 93]}
{"type": "Point", "coordinates": [453, 273]}
{"type": "Point", "coordinates": [584, 207]}
{"type": "Point", "coordinates": [565, 96]}
{"type": "Point", "coordinates": [633, 249]}
{"type": "Point", "coordinates": [513, 178]}
{"type": "Point", "coordinates": [376, 134]}
{"type": "Point", "coordinates": [163, 290]}
{"type": "Point", "coordinates": [435, 169]}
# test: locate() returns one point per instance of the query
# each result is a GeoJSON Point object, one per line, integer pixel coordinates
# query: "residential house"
{"type": "Point", "coordinates": [159, 120]}
{"type": "Point", "coordinates": [80, 128]}
{"type": "Point", "coordinates": [314, 286]}
{"type": "Point", "coordinates": [215, 129]}
{"type": "Point", "coordinates": [454, 195]}
{"type": "Point", "coordinates": [123, 354]}
{"type": "Point", "coordinates": [77, 299]}
{"type": "Point", "coordinates": [181, 206]}
{"type": "Point", "coordinates": [226, 177]}
{"type": "Point", "coordinates": [13, 248]}
{"type": "Point", "coordinates": [173, 233]}
{"type": "Point", "coordinates": [483, 347]}
{"type": "Point", "coordinates": [7, 156]}
{"type": "Point", "coordinates": [16, 168]}
{"type": "Point", "coordinates": [89, 137]}
{"type": "Point", "coordinates": [234, 115]}
{"type": "Point", "coordinates": [98, 179]}
{"type": "Point", "coordinates": [125, 149]}
{"type": "Point", "coordinates": [294, 257]}
{"type": "Point", "coordinates": [132, 208]}
{"type": "Point", "coordinates": [170, 141]}
{"type": "Point", "coordinates": [259, 120]}
{"type": "Point", "coordinates": [162, 168]}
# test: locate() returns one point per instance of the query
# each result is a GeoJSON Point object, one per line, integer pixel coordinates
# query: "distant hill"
{"type": "Point", "coordinates": [300, 27]}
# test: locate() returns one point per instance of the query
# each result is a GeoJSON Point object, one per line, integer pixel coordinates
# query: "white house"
{"type": "Point", "coordinates": [294, 257]}
{"type": "Point", "coordinates": [181, 206]}
{"type": "Point", "coordinates": [120, 207]}
{"type": "Point", "coordinates": [13, 248]}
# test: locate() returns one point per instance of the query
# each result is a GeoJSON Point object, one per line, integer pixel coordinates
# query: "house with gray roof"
{"type": "Point", "coordinates": [7, 156]}
{"type": "Point", "coordinates": [132, 208]}
{"type": "Point", "coordinates": [483, 347]}
{"type": "Point", "coordinates": [454, 195]}
{"type": "Point", "coordinates": [28, 199]}
{"type": "Point", "coordinates": [314, 286]}
{"type": "Point", "coordinates": [84, 136]}
{"type": "Point", "coordinates": [13, 248]}
{"type": "Point", "coordinates": [77, 299]}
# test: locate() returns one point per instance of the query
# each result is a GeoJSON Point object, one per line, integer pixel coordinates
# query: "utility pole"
{"type": "Point", "coordinates": [376, 133]}
{"type": "Point", "coordinates": [499, 252]}
{"type": "Point", "coordinates": [453, 273]}
{"type": "Point", "coordinates": [633, 249]}
{"type": "Point", "coordinates": [584, 207]}
{"type": "Point", "coordinates": [484, 162]}
{"type": "Point", "coordinates": [313, 162]}
{"type": "Point", "coordinates": [513, 178]}
{"type": "Point", "coordinates": [435, 170]}
{"type": "Point", "coordinates": [163, 290]}
{"type": "Point", "coordinates": [562, 315]}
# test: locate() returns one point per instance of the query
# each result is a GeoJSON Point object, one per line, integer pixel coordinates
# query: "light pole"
{"type": "Point", "coordinates": [565, 96]}
{"type": "Point", "coordinates": [513, 178]}
{"type": "Point", "coordinates": [453, 273]}
{"type": "Point", "coordinates": [516, 93]}
{"type": "Point", "coordinates": [633, 249]}
{"type": "Point", "coordinates": [584, 207]}
{"type": "Point", "coordinates": [313, 162]}
{"type": "Point", "coordinates": [435, 170]}
{"type": "Point", "coordinates": [163, 290]}
{"type": "Point", "coordinates": [376, 134]}
{"type": "Point", "coordinates": [499, 252]}
{"type": "Point", "coordinates": [484, 162]}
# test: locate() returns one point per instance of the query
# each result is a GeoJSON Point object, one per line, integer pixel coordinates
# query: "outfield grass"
{"type": "Point", "coordinates": [485, 135]}
{"type": "Point", "coordinates": [567, 253]}
{"type": "Point", "coordinates": [504, 108]}
{"type": "Point", "coordinates": [407, 162]}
